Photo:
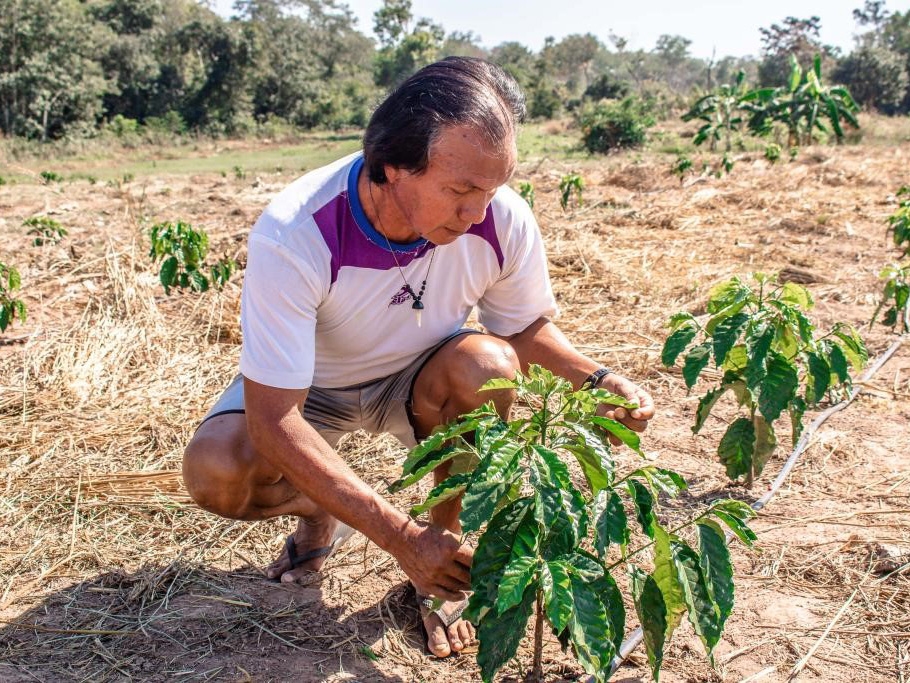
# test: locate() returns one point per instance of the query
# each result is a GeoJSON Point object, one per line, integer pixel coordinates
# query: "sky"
{"type": "Point", "coordinates": [727, 27]}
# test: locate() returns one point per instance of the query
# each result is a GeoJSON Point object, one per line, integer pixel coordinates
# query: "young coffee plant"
{"type": "Point", "coordinates": [10, 307]}
{"type": "Point", "coordinates": [526, 190]}
{"type": "Point", "coordinates": [182, 250]}
{"type": "Point", "coordinates": [896, 292]}
{"type": "Point", "coordinates": [550, 547]}
{"type": "Point", "coordinates": [770, 358]}
{"type": "Point", "coordinates": [50, 177]}
{"type": "Point", "coordinates": [45, 230]}
{"type": "Point", "coordinates": [681, 166]}
{"type": "Point", "coordinates": [570, 184]}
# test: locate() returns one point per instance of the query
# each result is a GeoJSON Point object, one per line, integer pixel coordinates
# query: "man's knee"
{"type": "Point", "coordinates": [478, 359]}
{"type": "Point", "coordinates": [217, 474]}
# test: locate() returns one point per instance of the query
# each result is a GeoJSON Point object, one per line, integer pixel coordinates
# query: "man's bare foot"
{"type": "Point", "coordinates": [441, 640]}
{"type": "Point", "coordinates": [310, 535]}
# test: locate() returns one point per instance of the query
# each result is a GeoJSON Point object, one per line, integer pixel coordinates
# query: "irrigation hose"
{"type": "Point", "coordinates": [635, 638]}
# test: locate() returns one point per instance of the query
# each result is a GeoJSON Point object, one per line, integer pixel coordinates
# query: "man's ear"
{"type": "Point", "coordinates": [392, 173]}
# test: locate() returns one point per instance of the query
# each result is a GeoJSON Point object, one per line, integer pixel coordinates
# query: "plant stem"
{"type": "Point", "coordinates": [537, 672]}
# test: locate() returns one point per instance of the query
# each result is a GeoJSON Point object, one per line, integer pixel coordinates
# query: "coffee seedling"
{"type": "Point", "coordinates": [549, 547]}
{"type": "Point", "coordinates": [526, 190]}
{"type": "Point", "coordinates": [182, 250]}
{"type": "Point", "coordinates": [569, 184]}
{"type": "Point", "coordinates": [45, 230]}
{"type": "Point", "coordinates": [50, 177]}
{"type": "Point", "coordinates": [896, 292]}
{"type": "Point", "coordinates": [10, 307]}
{"type": "Point", "coordinates": [771, 360]}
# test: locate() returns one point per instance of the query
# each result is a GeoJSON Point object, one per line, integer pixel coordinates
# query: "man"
{"type": "Point", "coordinates": [359, 279]}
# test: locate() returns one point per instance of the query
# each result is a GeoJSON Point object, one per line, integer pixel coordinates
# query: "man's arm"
{"type": "Point", "coordinates": [543, 343]}
{"type": "Point", "coordinates": [433, 558]}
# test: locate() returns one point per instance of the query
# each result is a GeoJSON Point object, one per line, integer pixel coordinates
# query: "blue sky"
{"type": "Point", "coordinates": [729, 27]}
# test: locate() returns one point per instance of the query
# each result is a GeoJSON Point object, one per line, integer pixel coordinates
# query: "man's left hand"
{"type": "Point", "coordinates": [636, 419]}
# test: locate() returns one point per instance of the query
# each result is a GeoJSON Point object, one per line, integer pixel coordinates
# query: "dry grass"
{"type": "Point", "coordinates": [107, 572]}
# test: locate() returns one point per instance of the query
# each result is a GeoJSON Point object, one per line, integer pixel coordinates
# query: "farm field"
{"type": "Point", "coordinates": [109, 572]}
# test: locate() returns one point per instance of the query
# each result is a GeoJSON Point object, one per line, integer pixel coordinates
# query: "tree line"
{"type": "Point", "coordinates": [72, 68]}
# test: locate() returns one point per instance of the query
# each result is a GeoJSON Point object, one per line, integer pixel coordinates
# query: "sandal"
{"type": "Point", "coordinates": [425, 604]}
{"type": "Point", "coordinates": [342, 533]}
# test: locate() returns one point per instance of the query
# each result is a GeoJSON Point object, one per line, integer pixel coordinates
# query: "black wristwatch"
{"type": "Point", "coordinates": [592, 380]}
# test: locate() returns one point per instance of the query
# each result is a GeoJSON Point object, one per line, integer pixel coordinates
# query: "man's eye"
{"type": "Point", "coordinates": [457, 191]}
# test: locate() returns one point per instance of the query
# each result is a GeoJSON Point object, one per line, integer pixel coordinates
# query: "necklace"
{"type": "Point", "coordinates": [416, 298]}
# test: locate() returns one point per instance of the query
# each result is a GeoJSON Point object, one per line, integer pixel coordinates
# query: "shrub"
{"type": "Point", "coordinates": [50, 177]}
{"type": "Point", "coordinates": [608, 126]}
{"type": "Point", "coordinates": [526, 190]}
{"type": "Point", "coordinates": [182, 250]}
{"type": "Point", "coordinates": [10, 307]}
{"type": "Point", "coordinates": [46, 230]}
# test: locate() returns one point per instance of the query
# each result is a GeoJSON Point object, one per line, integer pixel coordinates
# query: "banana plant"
{"type": "Point", "coordinates": [549, 547]}
{"type": "Point", "coordinates": [721, 112]}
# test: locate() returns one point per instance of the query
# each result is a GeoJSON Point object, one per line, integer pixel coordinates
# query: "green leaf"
{"type": "Point", "coordinates": [593, 456]}
{"type": "Point", "coordinates": [620, 431]}
{"type": "Point", "coordinates": [589, 629]}
{"type": "Point", "coordinates": [678, 319]}
{"type": "Point", "coordinates": [696, 361]}
{"type": "Point", "coordinates": [501, 634]}
{"type": "Point", "coordinates": [740, 529]}
{"type": "Point", "coordinates": [668, 481]}
{"type": "Point", "coordinates": [437, 439]}
{"type": "Point", "coordinates": [797, 295]}
{"type": "Point", "coordinates": [611, 524]}
{"type": "Point", "coordinates": [616, 611]}
{"type": "Point", "coordinates": [481, 499]}
{"type": "Point", "coordinates": [168, 273]}
{"type": "Point", "coordinates": [797, 410]}
{"type": "Point", "coordinates": [667, 580]}
{"type": "Point", "coordinates": [778, 387]}
{"type": "Point", "coordinates": [676, 343]}
{"type": "Point", "coordinates": [820, 372]}
{"type": "Point", "coordinates": [736, 447]}
{"type": "Point", "coordinates": [13, 278]}
{"type": "Point", "coordinates": [728, 294]}
{"type": "Point", "coordinates": [765, 444]}
{"type": "Point", "coordinates": [853, 347]}
{"type": "Point", "coordinates": [430, 462]}
{"type": "Point", "coordinates": [726, 335]}
{"type": "Point", "coordinates": [451, 488]}
{"type": "Point", "coordinates": [5, 315]}
{"type": "Point", "coordinates": [839, 363]}
{"type": "Point", "coordinates": [516, 578]}
{"type": "Point", "coordinates": [644, 506]}
{"type": "Point", "coordinates": [703, 613]}
{"type": "Point", "coordinates": [198, 281]}
{"type": "Point", "coordinates": [758, 343]}
{"type": "Point", "coordinates": [498, 383]}
{"type": "Point", "coordinates": [716, 567]}
{"type": "Point", "coordinates": [557, 593]}
{"type": "Point", "coordinates": [705, 404]}
{"type": "Point", "coordinates": [652, 615]}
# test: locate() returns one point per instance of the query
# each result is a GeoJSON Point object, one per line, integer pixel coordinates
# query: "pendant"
{"type": "Point", "coordinates": [418, 307]}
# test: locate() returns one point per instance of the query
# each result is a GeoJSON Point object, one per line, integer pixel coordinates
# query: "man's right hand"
{"type": "Point", "coordinates": [435, 560]}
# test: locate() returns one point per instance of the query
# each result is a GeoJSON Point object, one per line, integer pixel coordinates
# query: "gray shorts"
{"type": "Point", "coordinates": [381, 406]}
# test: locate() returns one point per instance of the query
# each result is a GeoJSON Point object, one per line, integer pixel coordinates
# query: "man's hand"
{"type": "Point", "coordinates": [637, 419]}
{"type": "Point", "coordinates": [435, 560]}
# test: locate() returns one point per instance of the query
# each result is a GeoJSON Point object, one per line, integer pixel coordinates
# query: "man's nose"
{"type": "Point", "coordinates": [473, 213]}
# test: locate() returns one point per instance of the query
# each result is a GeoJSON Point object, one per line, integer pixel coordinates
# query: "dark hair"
{"type": "Point", "coordinates": [455, 91]}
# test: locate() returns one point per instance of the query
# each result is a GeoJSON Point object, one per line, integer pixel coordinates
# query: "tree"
{"type": "Point", "coordinates": [515, 59]}
{"type": "Point", "coordinates": [403, 52]}
{"type": "Point", "coordinates": [463, 44]}
{"type": "Point", "coordinates": [797, 37]}
{"type": "Point", "coordinates": [572, 57]}
{"type": "Point", "coordinates": [876, 76]}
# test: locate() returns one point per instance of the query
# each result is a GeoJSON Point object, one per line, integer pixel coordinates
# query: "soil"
{"type": "Point", "coordinates": [109, 572]}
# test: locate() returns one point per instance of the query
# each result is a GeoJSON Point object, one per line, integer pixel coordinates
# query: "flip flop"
{"type": "Point", "coordinates": [425, 604]}
{"type": "Point", "coordinates": [342, 533]}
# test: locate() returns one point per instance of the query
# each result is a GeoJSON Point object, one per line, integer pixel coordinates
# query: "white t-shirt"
{"type": "Point", "coordinates": [324, 303]}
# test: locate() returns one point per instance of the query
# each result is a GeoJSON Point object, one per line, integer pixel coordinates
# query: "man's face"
{"type": "Point", "coordinates": [454, 191]}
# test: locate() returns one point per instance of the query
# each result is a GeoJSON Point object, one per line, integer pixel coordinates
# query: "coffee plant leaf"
{"type": "Point", "coordinates": [609, 398]}
{"type": "Point", "coordinates": [198, 281]}
{"type": "Point", "coordinates": [557, 593]}
{"type": "Point", "coordinates": [736, 447]}
{"type": "Point", "coordinates": [168, 273]}
{"type": "Point", "coordinates": [501, 634]}
{"type": "Point", "coordinates": [592, 466]}
{"type": "Point", "coordinates": [739, 509]}
{"type": "Point", "coordinates": [819, 377]}
{"type": "Point", "coordinates": [498, 383]}
{"type": "Point", "coordinates": [616, 611]}
{"type": "Point", "coordinates": [492, 555]}
{"type": "Point", "coordinates": [527, 538]}
{"type": "Point", "coordinates": [728, 294]}
{"type": "Point", "coordinates": [481, 499]}
{"type": "Point", "coordinates": [652, 614]}
{"type": "Point", "coordinates": [644, 506]}
{"type": "Point", "coordinates": [665, 574]}
{"type": "Point", "coordinates": [451, 488]}
{"type": "Point", "coordinates": [6, 314]}
{"type": "Point", "coordinates": [589, 629]}
{"type": "Point", "coordinates": [797, 295]}
{"type": "Point", "coordinates": [485, 415]}
{"type": "Point", "coordinates": [797, 410]}
{"type": "Point", "coordinates": [779, 386]}
{"type": "Point", "coordinates": [758, 343]}
{"type": "Point", "coordinates": [620, 431]}
{"type": "Point", "coordinates": [696, 361]}
{"type": "Point", "coordinates": [717, 568]}
{"type": "Point", "coordinates": [518, 575]}
{"type": "Point", "coordinates": [668, 481]}
{"type": "Point", "coordinates": [677, 320]}
{"type": "Point", "coordinates": [739, 528]}
{"type": "Point", "coordinates": [765, 444]}
{"type": "Point", "coordinates": [610, 522]}
{"type": "Point", "coordinates": [726, 334]}
{"type": "Point", "coordinates": [676, 343]}
{"type": "Point", "coordinates": [852, 345]}
{"type": "Point", "coordinates": [724, 314]}
{"type": "Point", "coordinates": [703, 612]}
{"type": "Point", "coordinates": [427, 464]}
{"type": "Point", "coordinates": [838, 362]}
{"type": "Point", "coordinates": [705, 404]}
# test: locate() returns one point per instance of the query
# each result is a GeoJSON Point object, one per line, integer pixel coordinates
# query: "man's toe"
{"type": "Point", "coordinates": [456, 640]}
{"type": "Point", "coordinates": [437, 640]}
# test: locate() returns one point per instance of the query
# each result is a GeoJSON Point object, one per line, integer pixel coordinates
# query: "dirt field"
{"type": "Point", "coordinates": [108, 572]}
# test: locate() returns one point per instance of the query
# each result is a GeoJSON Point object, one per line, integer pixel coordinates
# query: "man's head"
{"type": "Point", "coordinates": [458, 91]}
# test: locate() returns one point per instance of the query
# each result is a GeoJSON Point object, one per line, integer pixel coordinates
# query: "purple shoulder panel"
{"type": "Point", "coordinates": [348, 244]}
{"type": "Point", "coordinates": [487, 230]}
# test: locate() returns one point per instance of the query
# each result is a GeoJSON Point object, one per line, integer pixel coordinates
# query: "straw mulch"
{"type": "Point", "coordinates": [109, 572]}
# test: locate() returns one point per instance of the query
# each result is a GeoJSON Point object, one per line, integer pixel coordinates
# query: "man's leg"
{"type": "Point", "coordinates": [224, 475]}
{"type": "Point", "coordinates": [445, 388]}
